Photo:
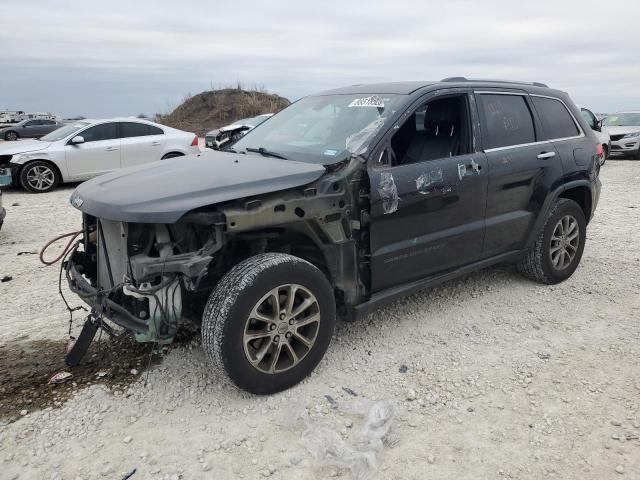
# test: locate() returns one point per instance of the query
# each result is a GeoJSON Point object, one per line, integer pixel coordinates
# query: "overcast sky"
{"type": "Point", "coordinates": [126, 57]}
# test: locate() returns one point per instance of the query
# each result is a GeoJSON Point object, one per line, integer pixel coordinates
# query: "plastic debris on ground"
{"type": "Point", "coordinates": [328, 448]}
{"type": "Point", "coordinates": [60, 377]}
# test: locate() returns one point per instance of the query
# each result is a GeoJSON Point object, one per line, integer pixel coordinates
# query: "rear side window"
{"type": "Point", "coordinates": [508, 120]}
{"type": "Point", "coordinates": [556, 120]}
{"type": "Point", "coordinates": [134, 129]}
{"type": "Point", "coordinates": [104, 131]}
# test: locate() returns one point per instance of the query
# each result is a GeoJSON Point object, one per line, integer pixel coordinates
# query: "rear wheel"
{"type": "Point", "coordinates": [39, 177]}
{"type": "Point", "coordinates": [172, 155]}
{"type": "Point", "coordinates": [558, 250]}
{"type": "Point", "coordinates": [11, 136]}
{"type": "Point", "coordinates": [269, 322]}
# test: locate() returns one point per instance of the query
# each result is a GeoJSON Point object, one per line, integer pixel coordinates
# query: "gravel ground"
{"type": "Point", "coordinates": [492, 376]}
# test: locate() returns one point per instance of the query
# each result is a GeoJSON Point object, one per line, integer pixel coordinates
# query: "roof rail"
{"type": "Point", "coordinates": [464, 79]}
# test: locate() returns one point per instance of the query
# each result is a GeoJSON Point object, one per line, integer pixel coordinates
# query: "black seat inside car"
{"type": "Point", "coordinates": [441, 135]}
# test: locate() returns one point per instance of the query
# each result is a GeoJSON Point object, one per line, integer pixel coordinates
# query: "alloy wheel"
{"type": "Point", "coordinates": [564, 242]}
{"type": "Point", "coordinates": [40, 177]}
{"type": "Point", "coordinates": [281, 329]}
{"type": "Point", "coordinates": [12, 136]}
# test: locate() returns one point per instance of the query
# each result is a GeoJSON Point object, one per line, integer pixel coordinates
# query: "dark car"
{"type": "Point", "coordinates": [225, 136]}
{"type": "Point", "coordinates": [340, 203]}
{"type": "Point", "coordinates": [30, 129]}
{"type": "Point", "coordinates": [3, 212]}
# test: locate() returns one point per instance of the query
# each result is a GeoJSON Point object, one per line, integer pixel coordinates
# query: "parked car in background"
{"type": "Point", "coordinates": [226, 136]}
{"type": "Point", "coordinates": [601, 135]}
{"type": "Point", "coordinates": [30, 129]}
{"type": "Point", "coordinates": [624, 130]}
{"type": "Point", "coordinates": [341, 203]}
{"type": "Point", "coordinates": [85, 149]}
{"type": "Point", "coordinates": [11, 116]}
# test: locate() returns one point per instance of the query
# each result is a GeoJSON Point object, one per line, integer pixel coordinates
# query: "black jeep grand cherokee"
{"type": "Point", "coordinates": [340, 203]}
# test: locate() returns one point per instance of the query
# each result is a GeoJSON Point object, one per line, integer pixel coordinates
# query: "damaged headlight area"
{"type": "Point", "coordinates": [137, 275]}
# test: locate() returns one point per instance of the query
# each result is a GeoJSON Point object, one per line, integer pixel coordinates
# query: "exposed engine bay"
{"type": "Point", "coordinates": [149, 277]}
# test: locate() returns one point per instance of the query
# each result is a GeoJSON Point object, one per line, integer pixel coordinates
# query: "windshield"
{"type": "Point", "coordinates": [64, 132]}
{"type": "Point", "coordinates": [320, 129]}
{"type": "Point", "coordinates": [623, 120]}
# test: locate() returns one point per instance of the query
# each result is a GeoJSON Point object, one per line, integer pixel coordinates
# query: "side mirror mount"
{"type": "Point", "coordinates": [78, 139]}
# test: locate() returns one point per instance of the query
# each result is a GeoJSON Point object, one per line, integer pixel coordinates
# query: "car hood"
{"type": "Point", "coordinates": [164, 191]}
{"type": "Point", "coordinates": [22, 146]}
{"type": "Point", "coordinates": [622, 130]}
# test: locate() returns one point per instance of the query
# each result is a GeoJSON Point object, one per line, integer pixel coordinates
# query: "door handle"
{"type": "Point", "coordinates": [110, 149]}
{"type": "Point", "coordinates": [545, 155]}
{"type": "Point", "coordinates": [155, 144]}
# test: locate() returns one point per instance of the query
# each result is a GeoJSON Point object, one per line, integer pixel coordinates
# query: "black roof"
{"type": "Point", "coordinates": [400, 88]}
{"type": "Point", "coordinates": [407, 88]}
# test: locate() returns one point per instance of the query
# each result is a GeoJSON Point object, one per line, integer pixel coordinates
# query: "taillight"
{"type": "Point", "coordinates": [599, 150]}
{"type": "Point", "coordinates": [194, 143]}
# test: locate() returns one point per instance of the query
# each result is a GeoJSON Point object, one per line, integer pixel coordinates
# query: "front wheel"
{"type": "Point", "coordinates": [269, 322]}
{"type": "Point", "coordinates": [39, 177]}
{"type": "Point", "coordinates": [11, 136]}
{"type": "Point", "coordinates": [558, 249]}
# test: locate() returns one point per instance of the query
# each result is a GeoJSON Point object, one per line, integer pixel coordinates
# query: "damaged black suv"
{"type": "Point", "coordinates": [340, 203]}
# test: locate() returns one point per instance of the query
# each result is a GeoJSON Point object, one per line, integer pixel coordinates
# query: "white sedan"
{"type": "Point", "coordinates": [87, 148]}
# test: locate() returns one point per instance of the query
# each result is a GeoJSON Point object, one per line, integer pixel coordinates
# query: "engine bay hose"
{"type": "Point", "coordinates": [73, 236]}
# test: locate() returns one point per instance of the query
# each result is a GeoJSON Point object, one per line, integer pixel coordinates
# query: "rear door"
{"type": "Point", "coordinates": [100, 152]}
{"type": "Point", "coordinates": [522, 168]}
{"type": "Point", "coordinates": [561, 128]}
{"type": "Point", "coordinates": [427, 214]}
{"type": "Point", "coordinates": [141, 143]}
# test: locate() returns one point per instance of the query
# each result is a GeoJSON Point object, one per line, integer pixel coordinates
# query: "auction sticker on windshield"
{"type": "Point", "coordinates": [372, 101]}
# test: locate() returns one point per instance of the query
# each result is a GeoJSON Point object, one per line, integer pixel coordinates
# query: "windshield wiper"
{"type": "Point", "coordinates": [267, 153]}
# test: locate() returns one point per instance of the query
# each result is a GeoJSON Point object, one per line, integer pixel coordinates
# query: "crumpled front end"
{"type": "Point", "coordinates": [136, 275]}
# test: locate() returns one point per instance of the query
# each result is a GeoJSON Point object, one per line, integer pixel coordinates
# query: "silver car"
{"type": "Point", "coordinates": [88, 148]}
{"type": "Point", "coordinates": [29, 129]}
{"type": "Point", "coordinates": [624, 130]}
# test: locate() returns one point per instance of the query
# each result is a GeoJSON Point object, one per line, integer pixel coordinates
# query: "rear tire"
{"type": "Point", "coordinates": [264, 347]}
{"type": "Point", "coordinates": [39, 177]}
{"type": "Point", "coordinates": [11, 136]}
{"type": "Point", "coordinates": [546, 262]}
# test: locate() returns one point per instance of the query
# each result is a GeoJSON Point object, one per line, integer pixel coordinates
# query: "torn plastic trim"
{"type": "Point", "coordinates": [358, 142]}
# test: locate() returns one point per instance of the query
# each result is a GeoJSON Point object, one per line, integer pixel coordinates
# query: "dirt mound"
{"type": "Point", "coordinates": [216, 108]}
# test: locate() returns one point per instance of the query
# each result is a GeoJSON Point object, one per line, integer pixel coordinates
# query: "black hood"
{"type": "Point", "coordinates": [162, 192]}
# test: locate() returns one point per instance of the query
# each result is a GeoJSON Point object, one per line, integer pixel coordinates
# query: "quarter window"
{"type": "Point", "coordinates": [135, 129]}
{"type": "Point", "coordinates": [508, 120]}
{"type": "Point", "coordinates": [104, 131]}
{"type": "Point", "coordinates": [556, 120]}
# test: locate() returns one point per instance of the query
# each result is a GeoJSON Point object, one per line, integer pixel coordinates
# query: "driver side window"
{"type": "Point", "coordinates": [437, 129]}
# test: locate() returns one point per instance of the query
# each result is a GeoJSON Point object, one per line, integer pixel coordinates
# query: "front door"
{"type": "Point", "coordinates": [31, 129]}
{"type": "Point", "coordinates": [100, 152]}
{"type": "Point", "coordinates": [428, 193]}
